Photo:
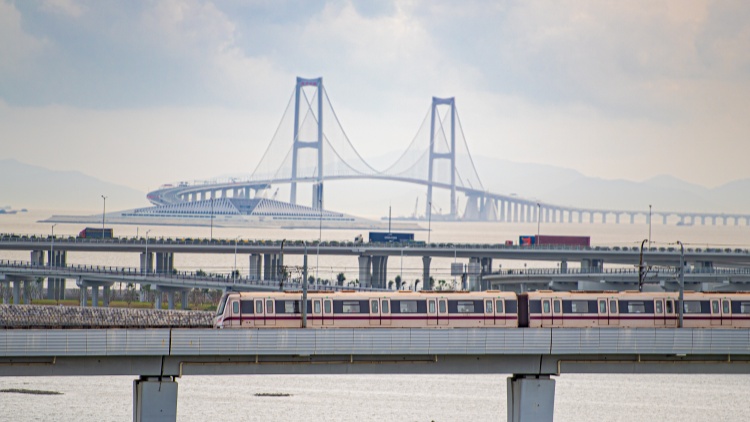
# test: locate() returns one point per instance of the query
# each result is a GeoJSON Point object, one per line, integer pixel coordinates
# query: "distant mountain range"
{"type": "Point", "coordinates": [27, 186]}
{"type": "Point", "coordinates": [33, 187]}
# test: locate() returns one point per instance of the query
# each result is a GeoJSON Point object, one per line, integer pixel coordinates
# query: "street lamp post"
{"type": "Point", "coordinates": [649, 226]}
{"type": "Point", "coordinates": [146, 259]}
{"type": "Point", "coordinates": [682, 280]}
{"type": "Point", "coordinates": [104, 209]}
{"type": "Point", "coordinates": [641, 269]}
{"type": "Point", "coordinates": [234, 273]}
{"type": "Point", "coordinates": [52, 248]}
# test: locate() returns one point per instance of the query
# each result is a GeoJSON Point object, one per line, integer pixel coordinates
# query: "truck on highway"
{"type": "Point", "coordinates": [550, 240]}
{"type": "Point", "coordinates": [95, 233]}
{"type": "Point", "coordinates": [386, 237]}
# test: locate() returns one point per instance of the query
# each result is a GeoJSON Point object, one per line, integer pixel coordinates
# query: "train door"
{"type": "Point", "coordinates": [432, 316]}
{"type": "Point", "coordinates": [660, 316]}
{"type": "Point", "coordinates": [715, 312]}
{"type": "Point", "coordinates": [327, 312]}
{"type": "Point", "coordinates": [260, 319]}
{"type": "Point", "coordinates": [726, 312]}
{"type": "Point", "coordinates": [270, 315]}
{"type": "Point", "coordinates": [500, 312]}
{"type": "Point", "coordinates": [546, 312]}
{"type": "Point", "coordinates": [317, 313]}
{"type": "Point", "coordinates": [603, 315]}
{"type": "Point", "coordinates": [614, 312]}
{"type": "Point", "coordinates": [385, 312]}
{"type": "Point", "coordinates": [442, 311]}
{"type": "Point", "coordinates": [489, 312]}
{"type": "Point", "coordinates": [374, 312]}
{"type": "Point", "coordinates": [669, 319]}
{"type": "Point", "coordinates": [235, 313]}
{"type": "Point", "coordinates": [557, 312]}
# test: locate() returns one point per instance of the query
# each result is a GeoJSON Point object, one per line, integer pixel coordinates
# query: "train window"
{"type": "Point", "coordinates": [222, 304]}
{"type": "Point", "coordinates": [714, 306]}
{"type": "Point", "coordinates": [246, 307]}
{"type": "Point", "coordinates": [659, 308]}
{"type": "Point", "coordinates": [259, 306]}
{"type": "Point", "coordinates": [269, 306]}
{"type": "Point", "coordinates": [579, 306]}
{"type": "Point", "coordinates": [465, 307]}
{"type": "Point", "coordinates": [441, 306]}
{"type": "Point", "coordinates": [556, 306]}
{"type": "Point", "coordinates": [488, 307]}
{"type": "Point", "coordinates": [670, 305]}
{"type": "Point", "coordinates": [408, 306]}
{"type": "Point", "coordinates": [431, 306]}
{"type": "Point", "coordinates": [545, 306]}
{"type": "Point", "coordinates": [692, 306]}
{"type": "Point", "coordinates": [374, 306]}
{"type": "Point", "coordinates": [499, 306]}
{"type": "Point", "coordinates": [385, 307]}
{"type": "Point", "coordinates": [289, 307]}
{"type": "Point", "coordinates": [350, 307]}
{"type": "Point", "coordinates": [327, 306]}
{"type": "Point", "coordinates": [602, 306]}
{"type": "Point", "coordinates": [316, 307]}
{"type": "Point", "coordinates": [235, 307]}
{"type": "Point", "coordinates": [613, 306]}
{"type": "Point", "coordinates": [636, 307]}
{"type": "Point", "coordinates": [725, 306]}
{"type": "Point", "coordinates": [745, 307]}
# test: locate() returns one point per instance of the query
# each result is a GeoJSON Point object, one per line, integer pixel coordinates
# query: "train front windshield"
{"type": "Point", "coordinates": [222, 304]}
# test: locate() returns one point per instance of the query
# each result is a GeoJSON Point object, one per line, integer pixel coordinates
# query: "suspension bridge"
{"type": "Point", "coordinates": [310, 146]}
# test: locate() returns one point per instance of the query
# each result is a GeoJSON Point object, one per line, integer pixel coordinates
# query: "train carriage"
{"type": "Point", "coordinates": [349, 309]}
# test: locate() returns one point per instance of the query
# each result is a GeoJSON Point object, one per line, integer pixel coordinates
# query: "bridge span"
{"type": "Point", "coordinates": [437, 158]}
{"type": "Point", "coordinates": [159, 357]}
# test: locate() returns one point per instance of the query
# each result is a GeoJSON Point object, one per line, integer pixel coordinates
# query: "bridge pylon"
{"type": "Point", "coordinates": [451, 155]}
{"type": "Point", "coordinates": [305, 143]}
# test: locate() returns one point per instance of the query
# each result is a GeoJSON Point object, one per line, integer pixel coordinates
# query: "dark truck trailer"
{"type": "Point", "coordinates": [582, 241]}
{"type": "Point", "coordinates": [544, 239]}
{"type": "Point", "coordinates": [95, 233]}
{"type": "Point", "coordinates": [384, 237]}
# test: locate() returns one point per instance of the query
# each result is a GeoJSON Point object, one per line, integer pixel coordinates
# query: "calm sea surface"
{"type": "Point", "coordinates": [382, 397]}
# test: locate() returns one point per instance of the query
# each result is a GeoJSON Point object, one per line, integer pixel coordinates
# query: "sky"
{"type": "Point", "coordinates": [142, 93]}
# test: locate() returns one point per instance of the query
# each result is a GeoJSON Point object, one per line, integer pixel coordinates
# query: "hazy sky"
{"type": "Point", "coordinates": [147, 92]}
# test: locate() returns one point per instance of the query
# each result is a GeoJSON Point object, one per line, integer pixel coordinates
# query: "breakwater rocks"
{"type": "Point", "coordinates": [33, 316]}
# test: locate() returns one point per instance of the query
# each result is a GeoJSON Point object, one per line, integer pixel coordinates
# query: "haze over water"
{"type": "Point", "coordinates": [398, 397]}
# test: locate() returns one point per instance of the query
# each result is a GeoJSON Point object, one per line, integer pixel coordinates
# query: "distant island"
{"type": "Point", "coordinates": [10, 210]}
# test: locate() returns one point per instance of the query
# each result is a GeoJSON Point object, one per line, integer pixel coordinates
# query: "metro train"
{"type": "Point", "coordinates": [492, 308]}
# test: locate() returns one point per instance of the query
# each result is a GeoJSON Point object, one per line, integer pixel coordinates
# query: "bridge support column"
{"type": "Point", "coordinates": [486, 269]}
{"type": "Point", "coordinates": [155, 399]}
{"type": "Point", "coordinates": [185, 295]}
{"type": "Point", "coordinates": [3, 292]}
{"type": "Point", "coordinates": [170, 300]}
{"type": "Point", "coordinates": [531, 398]}
{"type": "Point", "coordinates": [84, 292]}
{"type": "Point", "coordinates": [105, 296]}
{"type": "Point", "coordinates": [94, 296]}
{"type": "Point", "coordinates": [380, 271]}
{"type": "Point", "coordinates": [365, 277]}
{"type": "Point", "coordinates": [564, 266]}
{"type": "Point", "coordinates": [255, 266]}
{"type": "Point", "coordinates": [16, 292]}
{"type": "Point", "coordinates": [164, 262]}
{"type": "Point", "coordinates": [157, 304]}
{"type": "Point", "coordinates": [147, 263]}
{"type": "Point", "coordinates": [473, 272]}
{"type": "Point", "coordinates": [426, 273]}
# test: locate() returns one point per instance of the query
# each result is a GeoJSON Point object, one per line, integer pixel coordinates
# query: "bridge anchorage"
{"type": "Point", "coordinates": [438, 158]}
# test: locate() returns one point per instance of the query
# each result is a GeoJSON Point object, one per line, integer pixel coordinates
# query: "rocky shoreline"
{"type": "Point", "coordinates": [36, 316]}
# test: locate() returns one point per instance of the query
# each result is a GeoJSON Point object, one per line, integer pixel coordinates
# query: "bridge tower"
{"type": "Point", "coordinates": [303, 143]}
{"type": "Point", "coordinates": [451, 155]}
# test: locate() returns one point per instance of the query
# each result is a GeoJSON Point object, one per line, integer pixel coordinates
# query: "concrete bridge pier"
{"type": "Point", "coordinates": [155, 399]}
{"type": "Point", "coordinates": [531, 398]}
{"type": "Point", "coordinates": [365, 275]}
{"type": "Point", "coordinates": [379, 271]}
{"type": "Point", "coordinates": [164, 262]}
{"type": "Point", "coordinates": [171, 295]}
{"type": "Point", "coordinates": [270, 266]}
{"type": "Point", "coordinates": [426, 273]}
{"type": "Point", "coordinates": [255, 266]}
{"type": "Point", "coordinates": [16, 292]}
{"type": "Point", "coordinates": [147, 262]}
{"type": "Point", "coordinates": [473, 272]}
